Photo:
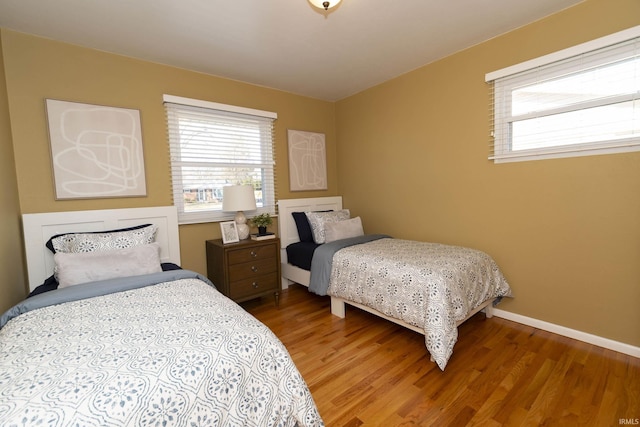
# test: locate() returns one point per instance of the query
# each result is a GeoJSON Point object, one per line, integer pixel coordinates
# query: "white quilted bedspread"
{"type": "Point", "coordinates": [172, 354]}
{"type": "Point", "coordinates": [428, 285]}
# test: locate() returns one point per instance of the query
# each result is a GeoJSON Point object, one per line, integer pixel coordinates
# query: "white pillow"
{"type": "Point", "coordinates": [343, 229]}
{"type": "Point", "coordinates": [75, 268]}
{"type": "Point", "coordinates": [317, 221]}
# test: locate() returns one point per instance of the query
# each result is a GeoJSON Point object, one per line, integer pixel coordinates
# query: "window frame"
{"type": "Point", "coordinates": [267, 157]}
{"type": "Point", "coordinates": [583, 57]}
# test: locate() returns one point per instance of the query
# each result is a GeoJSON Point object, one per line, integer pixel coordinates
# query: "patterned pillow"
{"type": "Point", "coordinates": [317, 220]}
{"type": "Point", "coordinates": [302, 224]}
{"type": "Point", "coordinates": [103, 241]}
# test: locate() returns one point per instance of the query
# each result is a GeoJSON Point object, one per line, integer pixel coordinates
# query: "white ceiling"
{"type": "Point", "coordinates": [281, 44]}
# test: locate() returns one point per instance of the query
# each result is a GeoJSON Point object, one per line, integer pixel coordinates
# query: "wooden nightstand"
{"type": "Point", "coordinates": [245, 270]}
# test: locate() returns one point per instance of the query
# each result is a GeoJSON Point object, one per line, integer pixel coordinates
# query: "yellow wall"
{"type": "Point", "coordinates": [409, 156]}
{"type": "Point", "coordinates": [566, 232]}
{"type": "Point", "coordinates": [37, 69]}
{"type": "Point", "coordinates": [12, 285]}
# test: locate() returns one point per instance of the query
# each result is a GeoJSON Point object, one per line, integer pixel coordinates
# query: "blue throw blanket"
{"type": "Point", "coordinates": [322, 261]}
{"type": "Point", "coordinates": [94, 289]}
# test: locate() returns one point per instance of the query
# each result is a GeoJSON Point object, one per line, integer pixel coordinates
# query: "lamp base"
{"type": "Point", "coordinates": [243, 231]}
{"type": "Point", "coordinates": [241, 225]}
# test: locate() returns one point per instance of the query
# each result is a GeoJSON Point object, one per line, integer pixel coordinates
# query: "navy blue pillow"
{"type": "Point", "coordinates": [303, 226]}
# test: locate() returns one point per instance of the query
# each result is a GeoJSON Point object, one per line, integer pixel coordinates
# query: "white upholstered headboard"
{"type": "Point", "coordinates": [39, 227]}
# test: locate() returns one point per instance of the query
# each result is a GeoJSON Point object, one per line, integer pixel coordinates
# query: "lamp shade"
{"type": "Point", "coordinates": [238, 198]}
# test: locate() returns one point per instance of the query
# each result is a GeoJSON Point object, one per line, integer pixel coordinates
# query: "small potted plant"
{"type": "Point", "coordinates": [262, 221]}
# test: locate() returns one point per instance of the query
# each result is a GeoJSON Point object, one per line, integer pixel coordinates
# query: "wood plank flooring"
{"type": "Point", "coordinates": [364, 371]}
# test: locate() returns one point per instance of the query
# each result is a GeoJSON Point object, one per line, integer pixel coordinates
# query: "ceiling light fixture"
{"type": "Point", "coordinates": [324, 4]}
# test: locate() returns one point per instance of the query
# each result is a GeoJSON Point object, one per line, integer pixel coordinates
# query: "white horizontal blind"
{"type": "Point", "coordinates": [585, 104]}
{"type": "Point", "coordinates": [211, 148]}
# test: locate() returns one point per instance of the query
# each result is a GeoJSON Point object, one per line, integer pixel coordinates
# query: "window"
{"type": "Point", "coordinates": [213, 145]}
{"type": "Point", "coordinates": [581, 101]}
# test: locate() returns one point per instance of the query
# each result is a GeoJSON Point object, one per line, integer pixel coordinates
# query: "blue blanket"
{"type": "Point", "coordinates": [322, 261]}
{"type": "Point", "coordinates": [94, 289]}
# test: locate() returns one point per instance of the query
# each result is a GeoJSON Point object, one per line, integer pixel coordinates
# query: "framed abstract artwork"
{"type": "Point", "coordinates": [96, 151]}
{"type": "Point", "coordinates": [307, 161]}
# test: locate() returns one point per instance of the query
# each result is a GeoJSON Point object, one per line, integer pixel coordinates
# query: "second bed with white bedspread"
{"type": "Point", "coordinates": [427, 285]}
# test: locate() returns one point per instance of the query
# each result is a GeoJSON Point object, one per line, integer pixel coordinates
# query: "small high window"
{"type": "Point", "coordinates": [581, 101]}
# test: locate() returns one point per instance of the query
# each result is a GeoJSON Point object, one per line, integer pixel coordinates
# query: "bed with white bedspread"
{"type": "Point", "coordinates": [428, 287]}
{"type": "Point", "coordinates": [157, 349]}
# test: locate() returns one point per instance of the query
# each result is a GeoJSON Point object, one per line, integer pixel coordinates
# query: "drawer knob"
{"type": "Point", "coordinates": [254, 254]}
{"type": "Point", "coordinates": [254, 268]}
{"type": "Point", "coordinates": [255, 285]}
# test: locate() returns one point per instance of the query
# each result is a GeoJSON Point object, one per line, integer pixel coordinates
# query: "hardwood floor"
{"type": "Point", "coordinates": [364, 371]}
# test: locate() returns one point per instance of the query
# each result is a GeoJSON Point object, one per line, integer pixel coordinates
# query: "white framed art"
{"type": "Point", "coordinates": [96, 151]}
{"type": "Point", "coordinates": [307, 161]}
{"type": "Point", "coordinates": [229, 232]}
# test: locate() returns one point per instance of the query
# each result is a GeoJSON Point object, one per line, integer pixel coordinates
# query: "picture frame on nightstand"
{"type": "Point", "coordinates": [229, 232]}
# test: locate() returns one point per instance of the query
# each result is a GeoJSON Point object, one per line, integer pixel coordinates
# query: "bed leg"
{"type": "Point", "coordinates": [285, 283]}
{"type": "Point", "coordinates": [488, 311]}
{"type": "Point", "coordinates": [337, 307]}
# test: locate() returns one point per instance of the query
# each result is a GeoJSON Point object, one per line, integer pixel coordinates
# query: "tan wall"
{"type": "Point", "coordinates": [12, 285]}
{"type": "Point", "coordinates": [566, 232]}
{"type": "Point", "coordinates": [412, 162]}
{"type": "Point", "coordinates": [37, 69]}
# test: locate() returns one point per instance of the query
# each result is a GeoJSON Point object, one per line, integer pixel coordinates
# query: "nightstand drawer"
{"type": "Point", "coordinates": [252, 254]}
{"type": "Point", "coordinates": [252, 269]}
{"type": "Point", "coordinates": [251, 286]}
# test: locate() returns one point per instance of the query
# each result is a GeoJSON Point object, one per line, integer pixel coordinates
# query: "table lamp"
{"type": "Point", "coordinates": [239, 198]}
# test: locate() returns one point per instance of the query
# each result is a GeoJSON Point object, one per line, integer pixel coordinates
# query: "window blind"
{"type": "Point", "coordinates": [587, 103]}
{"type": "Point", "coordinates": [214, 145]}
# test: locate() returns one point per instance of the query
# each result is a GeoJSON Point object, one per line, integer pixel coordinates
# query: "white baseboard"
{"type": "Point", "coordinates": [571, 333]}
